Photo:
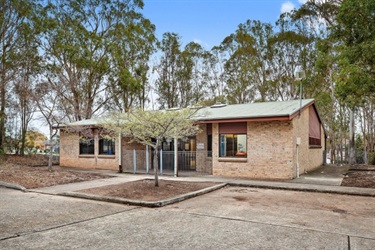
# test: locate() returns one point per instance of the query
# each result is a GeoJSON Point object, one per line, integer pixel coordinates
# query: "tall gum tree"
{"type": "Point", "coordinates": [78, 43]}
{"type": "Point", "coordinates": [13, 14]}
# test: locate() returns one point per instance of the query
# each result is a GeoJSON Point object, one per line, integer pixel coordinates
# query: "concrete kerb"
{"type": "Point", "coordinates": [369, 192]}
{"type": "Point", "coordinates": [12, 186]}
{"type": "Point", "coordinates": [145, 203]}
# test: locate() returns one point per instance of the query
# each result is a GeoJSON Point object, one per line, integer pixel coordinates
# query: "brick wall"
{"type": "Point", "coordinates": [204, 163]}
{"type": "Point", "coordinates": [309, 158]}
{"type": "Point", "coordinates": [269, 152]}
{"type": "Point", "coordinates": [70, 157]}
{"type": "Point", "coordinates": [127, 159]}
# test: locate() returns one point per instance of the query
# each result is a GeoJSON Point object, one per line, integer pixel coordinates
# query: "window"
{"type": "Point", "coordinates": [86, 146]}
{"type": "Point", "coordinates": [233, 145]}
{"type": "Point", "coordinates": [232, 139]}
{"type": "Point", "coordinates": [106, 146]}
{"type": "Point", "coordinates": [314, 128]}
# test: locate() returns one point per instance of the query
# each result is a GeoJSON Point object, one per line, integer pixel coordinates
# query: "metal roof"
{"type": "Point", "coordinates": [252, 110]}
{"type": "Point", "coordinates": [87, 122]}
{"type": "Point", "coordinates": [235, 111]}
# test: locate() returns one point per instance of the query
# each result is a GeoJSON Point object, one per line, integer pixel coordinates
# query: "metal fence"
{"type": "Point", "coordinates": [141, 161]}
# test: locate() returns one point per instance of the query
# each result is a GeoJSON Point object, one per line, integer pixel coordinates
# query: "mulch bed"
{"type": "Point", "coordinates": [145, 189]}
{"type": "Point", "coordinates": [359, 178]}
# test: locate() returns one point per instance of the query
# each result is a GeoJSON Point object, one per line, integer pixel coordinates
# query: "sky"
{"type": "Point", "coordinates": [208, 22]}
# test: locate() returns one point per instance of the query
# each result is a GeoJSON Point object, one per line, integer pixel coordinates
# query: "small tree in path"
{"type": "Point", "coordinates": [152, 127]}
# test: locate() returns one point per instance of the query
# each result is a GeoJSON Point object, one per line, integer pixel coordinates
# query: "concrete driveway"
{"type": "Point", "coordinates": [230, 218]}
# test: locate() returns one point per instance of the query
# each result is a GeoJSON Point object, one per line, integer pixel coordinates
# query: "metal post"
{"type": "Point", "coordinates": [119, 154]}
{"type": "Point", "coordinates": [134, 161]}
{"type": "Point", "coordinates": [161, 161]}
{"type": "Point", "coordinates": [146, 159]}
{"type": "Point", "coordinates": [175, 158]}
{"type": "Point", "coordinates": [297, 161]}
{"type": "Point", "coordinates": [300, 98]}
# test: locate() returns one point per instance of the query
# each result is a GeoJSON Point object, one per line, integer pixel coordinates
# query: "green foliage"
{"type": "Point", "coordinates": [356, 34]}
{"type": "Point", "coordinates": [90, 43]}
{"type": "Point", "coordinates": [182, 73]}
{"type": "Point", "coordinates": [34, 141]}
{"type": "Point", "coordinates": [151, 127]}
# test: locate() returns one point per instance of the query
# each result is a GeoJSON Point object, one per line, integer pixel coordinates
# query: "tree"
{"type": "Point", "coordinates": [240, 51]}
{"type": "Point", "coordinates": [78, 39]}
{"type": "Point", "coordinates": [34, 141]}
{"type": "Point", "coordinates": [167, 70]}
{"type": "Point", "coordinates": [183, 73]}
{"type": "Point", "coordinates": [152, 127]}
{"type": "Point", "coordinates": [247, 63]}
{"type": "Point", "coordinates": [48, 105]}
{"type": "Point", "coordinates": [346, 62]}
{"type": "Point", "coordinates": [355, 34]}
{"type": "Point", "coordinates": [132, 42]}
{"type": "Point", "coordinates": [13, 15]}
{"type": "Point", "coordinates": [28, 69]}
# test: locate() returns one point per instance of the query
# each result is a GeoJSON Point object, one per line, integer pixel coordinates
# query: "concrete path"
{"type": "Point", "coordinates": [321, 183]}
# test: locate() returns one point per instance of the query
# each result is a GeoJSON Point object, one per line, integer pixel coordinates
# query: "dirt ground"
{"type": "Point", "coordinates": [32, 172]}
{"type": "Point", "coordinates": [360, 176]}
{"type": "Point", "coordinates": [145, 189]}
{"type": "Point", "coordinates": [22, 171]}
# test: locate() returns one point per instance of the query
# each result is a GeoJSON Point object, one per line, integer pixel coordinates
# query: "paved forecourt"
{"type": "Point", "coordinates": [233, 217]}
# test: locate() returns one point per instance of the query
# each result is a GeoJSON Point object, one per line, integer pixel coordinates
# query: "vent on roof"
{"type": "Point", "coordinates": [218, 105]}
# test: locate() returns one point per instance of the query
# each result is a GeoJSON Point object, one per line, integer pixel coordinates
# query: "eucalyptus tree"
{"type": "Point", "coordinates": [355, 33]}
{"type": "Point", "coordinates": [131, 44]}
{"type": "Point", "coordinates": [183, 72]}
{"type": "Point", "coordinates": [247, 60]}
{"type": "Point", "coordinates": [215, 78]}
{"type": "Point", "coordinates": [78, 42]}
{"type": "Point", "coordinates": [28, 71]}
{"type": "Point", "coordinates": [237, 75]}
{"type": "Point", "coordinates": [13, 15]}
{"type": "Point", "coordinates": [349, 53]}
{"type": "Point", "coordinates": [168, 70]}
{"type": "Point", "coordinates": [292, 48]}
{"type": "Point", "coordinates": [192, 74]}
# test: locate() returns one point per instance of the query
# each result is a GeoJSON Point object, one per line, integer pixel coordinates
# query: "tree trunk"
{"type": "Point", "coordinates": [50, 150]}
{"type": "Point", "coordinates": [2, 104]}
{"type": "Point", "coordinates": [156, 160]}
{"type": "Point", "coordinates": [351, 138]}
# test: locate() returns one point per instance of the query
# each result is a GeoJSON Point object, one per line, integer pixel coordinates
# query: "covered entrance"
{"type": "Point", "coordinates": [186, 154]}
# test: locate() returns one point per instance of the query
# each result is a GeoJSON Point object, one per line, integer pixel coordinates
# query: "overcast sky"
{"type": "Point", "coordinates": [210, 21]}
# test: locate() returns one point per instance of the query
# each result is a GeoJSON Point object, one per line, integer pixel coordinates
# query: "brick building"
{"type": "Point", "coordinates": [268, 140]}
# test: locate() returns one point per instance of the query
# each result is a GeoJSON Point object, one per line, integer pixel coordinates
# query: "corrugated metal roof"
{"type": "Point", "coordinates": [252, 110]}
{"type": "Point", "coordinates": [235, 111]}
